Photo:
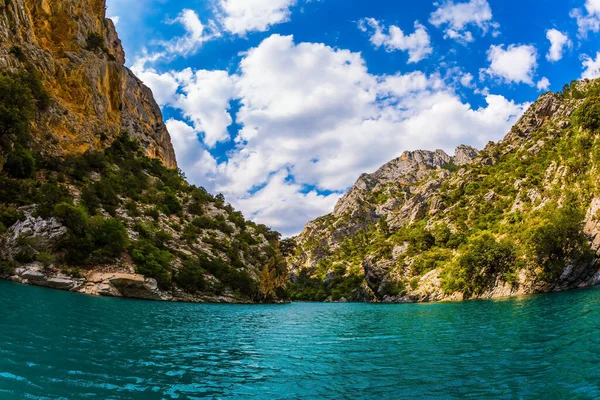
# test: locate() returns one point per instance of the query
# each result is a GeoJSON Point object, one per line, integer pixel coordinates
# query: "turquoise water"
{"type": "Point", "coordinates": [62, 345]}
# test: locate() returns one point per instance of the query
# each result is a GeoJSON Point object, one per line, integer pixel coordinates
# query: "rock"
{"type": "Point", "coordinates": [34, 274]}
{"type": "Point", "coordinates": [490, 196]}
{"type": "Point", "coordinates": [464, 155]}
{"type": "Point", "coordinates": [93, 93]}
{"type": "Point", "coordinates": [44, 234]}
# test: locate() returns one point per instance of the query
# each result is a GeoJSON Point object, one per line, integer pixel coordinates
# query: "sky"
{"type": "Point", "coordinates": [282, 104]}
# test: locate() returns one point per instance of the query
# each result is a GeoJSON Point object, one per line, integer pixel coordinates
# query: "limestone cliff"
{"type": "Point", "coordinates": [519, 217]}
{"type": "Point", "coordinates": [90, 197]}
{"type": "Point", "coordinates": [80, 60]}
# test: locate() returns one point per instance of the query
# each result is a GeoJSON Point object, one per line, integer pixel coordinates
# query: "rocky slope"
{"type": "Point", "coordinates": [519, 217]}
{"type": "Point", "coordinates": [90, 200]}
{"type": "Point", "coordinates": [80, 61]}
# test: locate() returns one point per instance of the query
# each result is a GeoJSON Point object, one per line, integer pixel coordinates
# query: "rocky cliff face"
{"type": "Point", "coordinates": [80, 60]}
{"type": "Point", "coordinates": [518, 217]}
{"type": "Point", "coordinates": [90, 197]}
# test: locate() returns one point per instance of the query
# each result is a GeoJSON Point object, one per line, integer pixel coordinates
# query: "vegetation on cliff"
{"type": "Point", "coordinates": [521, 217]}
{"type": "Point", "coordinates": [119, 206]}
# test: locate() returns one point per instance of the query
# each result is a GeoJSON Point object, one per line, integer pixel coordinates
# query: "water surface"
{"type": "Point", "coordinates": [56, 345]}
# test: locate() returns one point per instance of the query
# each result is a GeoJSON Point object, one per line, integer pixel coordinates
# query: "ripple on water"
{"type": "Point", "coordinates": [60, 345]}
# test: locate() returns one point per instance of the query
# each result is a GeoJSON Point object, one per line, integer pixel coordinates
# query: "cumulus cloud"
{"type": "Point", "coordinates": [458, 18]}
{"type": "Point", "coordinates": [196, 34]}
{"type": "Point", "coordinates": [558, 42]}
{"type": "Point", "coordinates": [515, 64]}
{"type": "Point", "coordinates": [313, 119]}
{"type": "Point", "coordinates": [588, 20]}
{"type": "Point", "coordinates": [243, 16]}
{"type": "Point", "coordinates": [205, 100]}
{"type": "Point", "coordinates": [284, 204]}
{"type": "Point", "coordinates": [591, 67]}
{"type": "Point", "coordinates": [418, 43]}
{"type": "Point", "coordinates": [543, 84]}
{"type": "Point", "coordinates": [192, 157]}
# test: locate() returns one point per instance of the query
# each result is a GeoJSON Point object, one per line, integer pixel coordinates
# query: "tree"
{"type": "Point", "coordinates": [482, 261]}
{"type": "Point", "coordinates": [109, 236]}
{"type": "Point", "coordinates": [588, 114]}
{"type": "Point", "coordinates": [556, 238]}
{"type": "Point", "coordinates": [287, 247]}
{"type": "Point", "coordinates": [191, 277]}
{"type": "Point", "coordinates": [20, 164]}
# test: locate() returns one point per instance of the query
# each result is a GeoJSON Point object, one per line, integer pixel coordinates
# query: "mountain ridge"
{"type": "Point", "coordinates": [410, 231]}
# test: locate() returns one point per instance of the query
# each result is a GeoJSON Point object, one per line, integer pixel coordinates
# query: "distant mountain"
{"type": "Point", "coordinates": [521, 216]}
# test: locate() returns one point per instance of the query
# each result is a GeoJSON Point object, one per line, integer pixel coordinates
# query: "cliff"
{"type": "Point", "coordinates": [80, 60]}
{"type": "Point", "coordinates": [90, 197]}
{"type": "Point", "coordinates": [519, 217]}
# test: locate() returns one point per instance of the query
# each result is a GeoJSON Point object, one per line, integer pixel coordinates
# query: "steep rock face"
{"type": "Point", "coordinates": [118, 220]}
{"type": "Point", "coordinates": [79, 57]}
{"type": "Point", "coordinates": [394, 193]}
{"type": "Point", "coordinates": [421, 227]}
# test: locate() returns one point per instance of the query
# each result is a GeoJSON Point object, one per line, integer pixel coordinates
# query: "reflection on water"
{"type": "Point", "coordinates": [62, 345]}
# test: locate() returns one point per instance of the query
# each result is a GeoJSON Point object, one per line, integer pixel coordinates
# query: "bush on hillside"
{"type": "Point", "coordinates": [483, 260]}
{"type": "Point", "coordinates": [20, 164]}
{"type": "Point", "coordinates": [588, 114]}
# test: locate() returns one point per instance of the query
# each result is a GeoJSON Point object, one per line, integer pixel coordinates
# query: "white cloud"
{"type": "Point", "coordinates": [115, 19]}
{"type": "Point", "coordinates": [285, 205]}
{"type": "Point", "coordinates": [457, 18]}
{"type": "Point", "coordinates": [591, 67]}
{"type": "Point", "coordinates": [467, 80]}
{"type": "Point", "coordinates": [198, 164]}
{"type": "Point", "coordinates": [558, 42]}
{"type": "Point", "coordinates": [516, 64]}
{"type": "Point", "coordinates": [543, 84]}
{"type": "Point", "coordinates": [164, 86]}
{"type": "Point", "coordinates": [196, 34]}
{"type": "Point", "coordinates": [588, 21]}
{"type": "Point", "coordinates": [243, 16]}
{"type": "Point", "coordinates": [313, 119]}
{"type": "Point", "coordinates": [418, 43]}
{"type": "Point", "coordinates": [205, 101]}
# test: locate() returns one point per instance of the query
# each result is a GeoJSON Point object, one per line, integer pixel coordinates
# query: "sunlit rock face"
{"type": "Point", "coordinates": [80, 60]}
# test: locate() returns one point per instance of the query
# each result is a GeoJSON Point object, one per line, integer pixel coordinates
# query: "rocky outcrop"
{"type": "Point", "coordinates": [464, 155]}
{"type": "Point", "coordinates": [79, 57]}
{"type": "Point", "coordinates": [124, 284]}
{"type": "Point", "coordinates": [404, 228]}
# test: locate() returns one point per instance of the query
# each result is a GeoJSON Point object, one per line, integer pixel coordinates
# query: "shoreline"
{"type": "Point", "coordinates": [131, 286]}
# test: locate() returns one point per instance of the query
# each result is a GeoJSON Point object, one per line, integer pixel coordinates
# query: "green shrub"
{"type": "Point", "coordinates": [191, 277]}
{"type": "Point", "coordinates": [49, 195]}
{"type": "Point", "coordinates": [555, 238]}
{"type": "Point", "coordinates": [17, 52]}
{"type": "Point", "coordinates": [9, 215]}
{"type": "Point", "coordinates": [171, 204]}
{"type": "Point", "coordinates": [109, 236]}
{"type": "Point", "coordinates": [451, 167]}
{"type": "Point", "coordinates": [588, 114]}
{"type": "Point", "coordinates": [95, 41]}
{"type": "Point", "coordinates": [429, 261]}
{"type": "Point", "coordinates": [20, 164]}
{"type": "Point", "coordinates": [73, 217]}
{"type": "Point", "coordinates": [25, 256]}
{"type": "Point", "coordinates": [152, 262]}
{"type": "Point", "coordinates": [77, 244]}
{"type": "Point", "coordinates": [45, 258]}
{"type": "Point", "coordinates": [482, 261]}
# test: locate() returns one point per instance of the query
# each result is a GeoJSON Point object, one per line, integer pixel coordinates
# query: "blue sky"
{"type": "Point", "coordinates": [282, 104]}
